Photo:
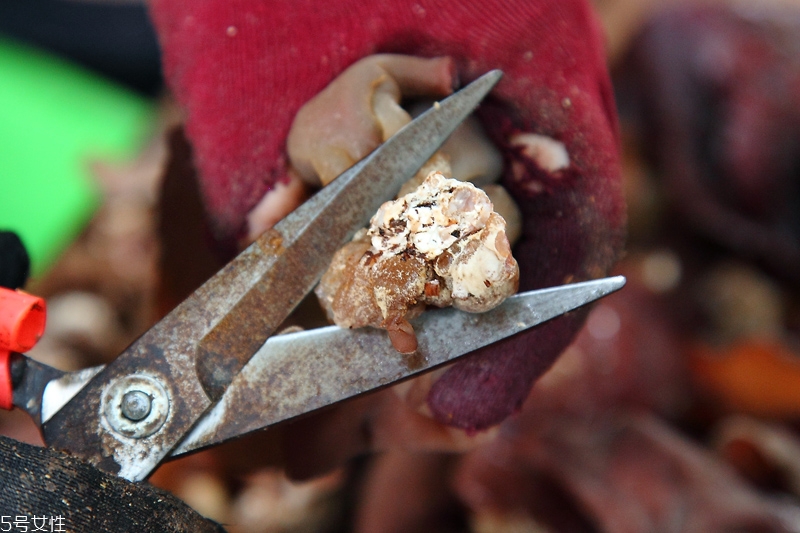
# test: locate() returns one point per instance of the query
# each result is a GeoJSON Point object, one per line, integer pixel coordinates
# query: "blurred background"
{"type": "Point", "coordinates": [676, 408]}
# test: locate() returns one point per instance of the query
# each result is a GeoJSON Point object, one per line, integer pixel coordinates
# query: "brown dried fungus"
{"type": "Point", "coordinates": [441, 244]}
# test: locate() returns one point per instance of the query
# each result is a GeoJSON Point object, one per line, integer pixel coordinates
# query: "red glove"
{"type": "Point", "coordinates": [243, 68]}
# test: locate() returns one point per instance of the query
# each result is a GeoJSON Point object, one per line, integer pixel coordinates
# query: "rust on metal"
{"type": "Point", "coordinates": [414, 361]}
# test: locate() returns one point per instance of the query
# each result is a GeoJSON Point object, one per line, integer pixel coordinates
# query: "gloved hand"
{"type": "Point", "coordinates": [242, 69]}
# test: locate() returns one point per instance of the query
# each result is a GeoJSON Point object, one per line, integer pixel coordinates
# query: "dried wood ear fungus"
{"type": "Point", "coordinates": [441, 244]}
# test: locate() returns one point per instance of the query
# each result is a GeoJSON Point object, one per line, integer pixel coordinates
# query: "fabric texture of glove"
{"type": "Point", "coordinates": [40, 482]}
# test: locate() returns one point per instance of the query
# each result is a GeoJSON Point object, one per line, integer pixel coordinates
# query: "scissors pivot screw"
{"type": "Point", "coordinates": [136, 406]}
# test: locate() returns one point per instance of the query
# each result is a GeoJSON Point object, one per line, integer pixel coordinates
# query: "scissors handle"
{"type": "Point", "coordinates": [22, 319]}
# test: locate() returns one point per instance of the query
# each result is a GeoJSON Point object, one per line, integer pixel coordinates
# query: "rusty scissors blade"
{"type": "Point", "coordinates": [184, 364]}
{"type": "Point", "coordinates": [296, 373]}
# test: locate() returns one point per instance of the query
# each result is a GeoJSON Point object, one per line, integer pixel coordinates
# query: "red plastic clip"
{"type": "Point", "coordinates": [22, 319]}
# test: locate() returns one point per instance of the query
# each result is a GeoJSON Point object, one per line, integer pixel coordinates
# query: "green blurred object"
{"type": "Point", "coordinates": [55, 120]}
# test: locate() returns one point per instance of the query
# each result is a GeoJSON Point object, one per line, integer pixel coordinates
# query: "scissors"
{"type": "Point", "coordinates": [211, 370]}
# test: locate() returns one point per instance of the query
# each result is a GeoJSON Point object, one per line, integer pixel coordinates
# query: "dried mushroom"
{"type": "Point", "coordinates": [441, 244]}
